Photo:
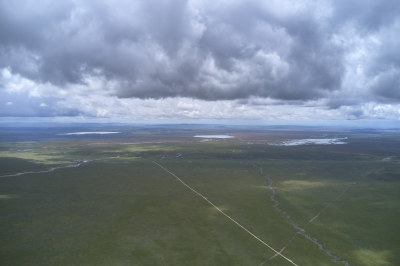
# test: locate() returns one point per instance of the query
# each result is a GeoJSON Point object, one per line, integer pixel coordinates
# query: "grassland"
{"type": "Point", "coordinates": [326, 204]}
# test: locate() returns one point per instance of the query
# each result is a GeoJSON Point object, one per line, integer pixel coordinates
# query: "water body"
{"type": "Point", "coordinates": [47, 170]}
{"type": "Point", "coordinates": [295, 142]}
{"type": "Point", "coordinates": [90, 133]}
{"type": "Point", "coordinates": [214, 136]}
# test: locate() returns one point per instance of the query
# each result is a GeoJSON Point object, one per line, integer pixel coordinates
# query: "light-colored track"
{"type": "Point", "coordinates": [226, 215]}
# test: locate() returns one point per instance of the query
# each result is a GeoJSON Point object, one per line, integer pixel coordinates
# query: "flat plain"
{"type": "Point", "coordinates": [120, 199]}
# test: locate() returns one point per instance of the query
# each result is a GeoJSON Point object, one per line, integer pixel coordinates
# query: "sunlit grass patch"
{"type": "Point", "coordinates": [6, 196]}
{"type": "Point", "coordinates": [300, 184]}
{"type": "Point", "coordinates": [371, 257]}
{"type": "Point", "coordinates": [138, 148]}
{"type": "Point", "coordinates": [36, 157]}
{"type": "Point", "coordinates": [263, 187]}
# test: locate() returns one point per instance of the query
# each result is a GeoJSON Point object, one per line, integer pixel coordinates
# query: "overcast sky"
{"type": "Point", "coordinates": [152, 60]}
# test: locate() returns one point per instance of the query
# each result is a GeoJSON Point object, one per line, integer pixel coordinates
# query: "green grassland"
{"type": "Point", "coordinates": [116, 207]}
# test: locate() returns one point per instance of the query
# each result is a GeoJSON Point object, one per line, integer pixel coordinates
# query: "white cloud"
{"type": "Point", "coordinates": [83, 100]}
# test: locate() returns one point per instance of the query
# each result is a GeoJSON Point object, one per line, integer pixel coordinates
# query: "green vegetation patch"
{"type": "Point", "coordinates": [325, 205]}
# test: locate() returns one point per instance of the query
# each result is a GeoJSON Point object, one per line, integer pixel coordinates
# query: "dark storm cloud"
{"type": "Point", "coordinates": [285, 50]}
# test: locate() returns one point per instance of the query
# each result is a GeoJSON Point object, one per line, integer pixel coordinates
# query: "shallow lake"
{"type": "Point", "coordinates": [214, 136]}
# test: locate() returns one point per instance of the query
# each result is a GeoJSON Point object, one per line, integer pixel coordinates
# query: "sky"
{"type": "Point", "coordinates": [253, 61]}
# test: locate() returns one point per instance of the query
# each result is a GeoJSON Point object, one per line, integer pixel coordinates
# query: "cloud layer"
{"type": "Point", "coordinates": [335, 54]}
